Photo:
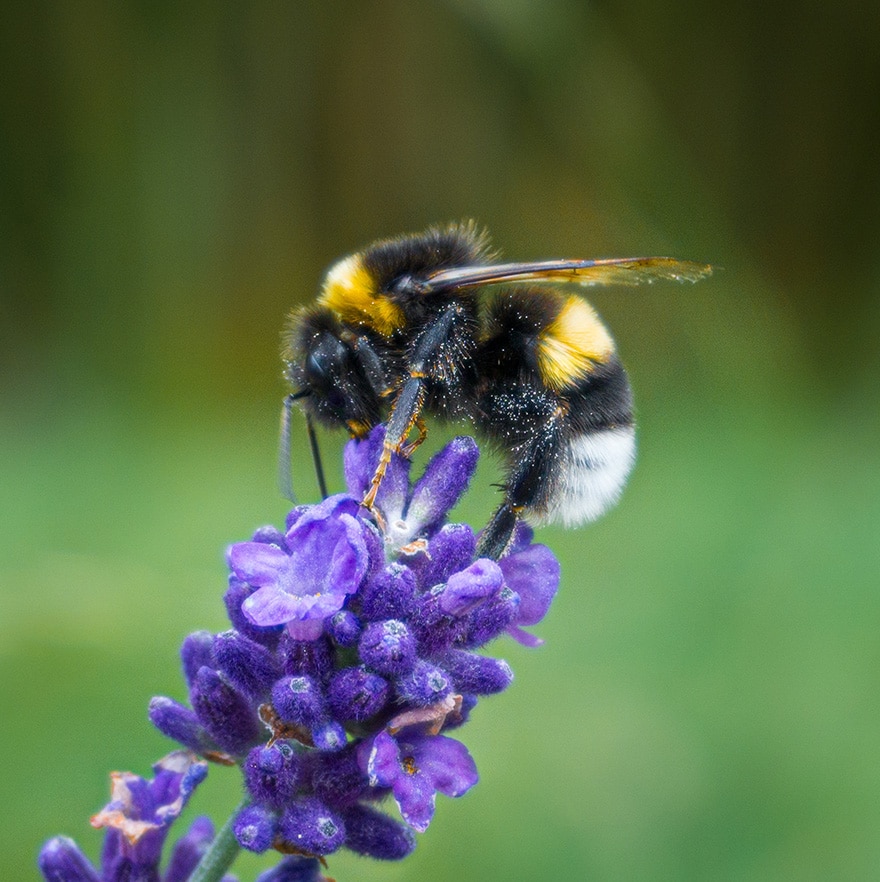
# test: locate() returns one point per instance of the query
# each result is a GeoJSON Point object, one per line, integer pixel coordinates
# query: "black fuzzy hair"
{"type": "Point", "coordinates": [461, 244]}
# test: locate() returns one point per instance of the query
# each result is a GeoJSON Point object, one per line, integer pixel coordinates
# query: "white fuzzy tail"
{"type": "Point", "coordinates": [592, 476]}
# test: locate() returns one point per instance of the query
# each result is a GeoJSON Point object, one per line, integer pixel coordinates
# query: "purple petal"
{"type": "Point", "coordinates": [257, 563]}
{"type": "Point", "coordinates": [413, 792]}
{"type": "Point", "coordinates": [380, 760]}
{"type": "Point", "coordinates": [534, 575]}
{"type": "Point", "coordinates": [328, 559]}
{"type": "Point", "coordinates": [329, 508]}
{"type": "Point", "coordinates": [328, 555]}
{"type": "Point", "coordinates": [189, 849]}
{"type": "Point", "coordinates": [233, 599]}
{"type": "Point", "coordinates": [62, 861]}
{"type": "Point", "coordinates": [417, 767]}
{"type": "Point", "coordinates": [416, 800]}
{"type": "Point", "coordinates": [272, 606]}
{"type": "Point", "coordinates": [469, 587]}
{"type": "Point", "coordinates": [141, 811]}
{"type": "Point", "coordinates": [524, 638]}
{"type": "Point", "coordinates": [446, 763]}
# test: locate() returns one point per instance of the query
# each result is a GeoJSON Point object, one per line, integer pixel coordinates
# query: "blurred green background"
{"type": "Point", "coordinates": [173, 177]}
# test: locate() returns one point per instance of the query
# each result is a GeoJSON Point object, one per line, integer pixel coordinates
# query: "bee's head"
{"type": "Point", "coordinates": [322, 361]}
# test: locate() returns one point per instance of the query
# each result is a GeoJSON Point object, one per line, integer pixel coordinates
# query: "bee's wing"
{"type": "Point", "coordinates": [607, 271]}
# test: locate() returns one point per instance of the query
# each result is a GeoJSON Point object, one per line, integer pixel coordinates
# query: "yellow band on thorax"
{"type": "Point", "coordinates": [350, 291]}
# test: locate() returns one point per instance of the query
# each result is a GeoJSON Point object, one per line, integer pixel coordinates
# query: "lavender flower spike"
{"type": "Point", "coordinates": [353, 651]}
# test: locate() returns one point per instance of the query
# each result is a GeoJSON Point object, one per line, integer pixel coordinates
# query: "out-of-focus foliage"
{"type": "Point", "coordinates": [173, 177]}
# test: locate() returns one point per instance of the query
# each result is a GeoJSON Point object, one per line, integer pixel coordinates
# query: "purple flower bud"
{"type": "Point", "coordinates": [478, 674]}
{"type": "Point", "coordinates": [294, 868]}
{"type": "Point", "coordinates": [435, 630]}
{"type": "Point", "coordinates": [329, 735]}
{"type": "Point", "coordinates": [255, 827]}
{"type": "Point", "coordinates": [359, 462]}
{"type": "Point", "coordinates": [224, 712]}
{"type": "Point", "coordinates": [446, 477]}
{"type": "Point", "coordinates": [251, 667]}
{"type": "Point", "coordinates": [344, 628]}
{"type": "Point", "coordinates": [189, 849]}
{"type": "Point", "coordinates": [424, 685]}
{"type": "Point", "coordinates": [336, 778]}
{"type": "Point", "coordinates": [311, 826]}
{"type": "Point", "coordinates": [356, 694]}
{"type": "Point", "coordinates": [197, 651]}
{"type": "Point", "coordinates": [390, 595]}
{"type": "Point", "coordinates": [235, 596]}
{"type": "Point", "coordinates": [299, 700]}
{"type": "Point", "coordinates": [388, 647]}
{"type": "Point", "coordinates": [313, 658]}
{"type": "Point", "coordinates": [361, 459]}
{"type": "Point", "coordinates": [491, 618]}
{"type": "Point", "coordinates": [451, 549]}
{"type": "Point", "coordinates": [61, 861]}
{"type": "Point", "coordinates": [179, 723]}
{"type": "Point", "coordinates": [271, 773]}
{"type": "Point", "coordinates": [371, 833]}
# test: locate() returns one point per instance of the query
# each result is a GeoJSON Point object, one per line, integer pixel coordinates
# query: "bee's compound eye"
{"type": "Point", "coordinates": [314, 367]}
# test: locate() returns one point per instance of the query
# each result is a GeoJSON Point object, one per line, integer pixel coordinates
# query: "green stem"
{"type": "Point", "coordinates": [221, 853]}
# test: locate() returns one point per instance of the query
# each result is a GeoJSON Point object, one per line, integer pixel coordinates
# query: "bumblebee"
{"type": "Point", "coordinates": [432, 325]}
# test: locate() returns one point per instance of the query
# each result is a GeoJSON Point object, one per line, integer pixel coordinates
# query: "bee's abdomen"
{"type": "Point", "coordinates": [570, 452]}
{"type": "Point", "coordinates": [590, 473]}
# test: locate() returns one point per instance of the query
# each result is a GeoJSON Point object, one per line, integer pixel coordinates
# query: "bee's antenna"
{"type": "Point", "coordinates": [316, 457]}
{"type": "Point", "coordinates": [285, 479]}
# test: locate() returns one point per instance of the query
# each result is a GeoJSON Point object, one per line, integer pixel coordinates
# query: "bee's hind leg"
{"type": "Point", "coordinates": [529, 484]}
{"type": "Point", "coordinates": [495, 539]}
